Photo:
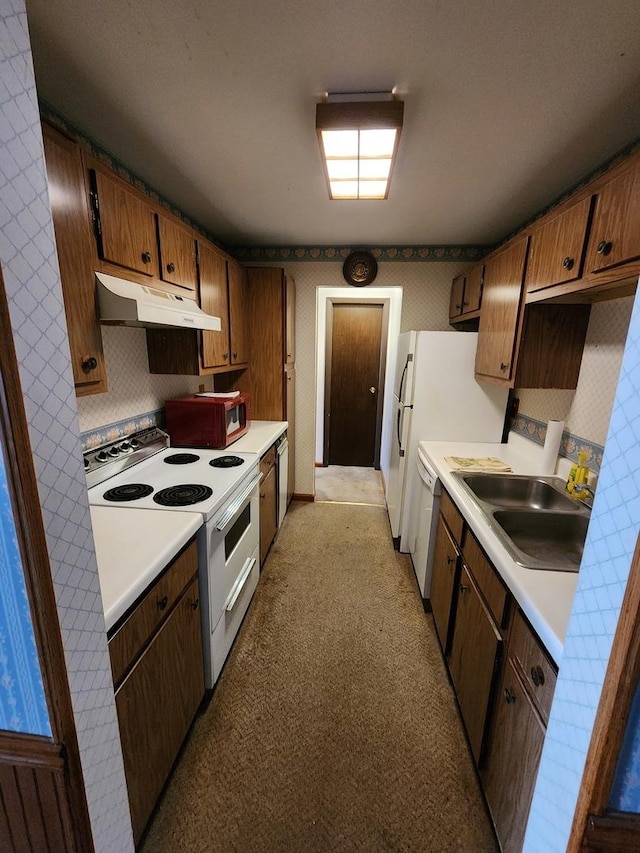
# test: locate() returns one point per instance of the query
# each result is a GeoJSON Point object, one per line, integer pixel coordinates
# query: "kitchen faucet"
{"type": "Point", "coordinates": [584, 487]}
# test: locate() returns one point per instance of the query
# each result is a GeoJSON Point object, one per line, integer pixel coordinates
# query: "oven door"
{"type": "Point", "coordinates": [229, 572]}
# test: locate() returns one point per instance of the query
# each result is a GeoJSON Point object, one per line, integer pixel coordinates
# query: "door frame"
{"type": "Point", "coordinates": [384, 332]}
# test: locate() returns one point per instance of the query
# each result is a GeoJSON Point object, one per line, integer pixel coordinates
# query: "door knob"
{"type": "Point", "coordinates": [372, 389]}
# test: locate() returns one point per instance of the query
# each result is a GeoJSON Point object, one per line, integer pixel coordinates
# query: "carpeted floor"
{"type": "Point", "coordinates": [349, 484]}
{"type": "Point", "coordinates": [333, 726]}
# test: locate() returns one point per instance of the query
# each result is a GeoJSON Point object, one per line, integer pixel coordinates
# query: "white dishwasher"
{"type": "Point", "coordinates": [425, 523]}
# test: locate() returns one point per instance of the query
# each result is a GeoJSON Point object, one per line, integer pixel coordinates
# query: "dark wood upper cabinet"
{"type": "Point", "coordinates": [237, 284]}
{"type": "Point", "coordinates": [557, 247]}
{"type": "Point", "coordinates": [74, 244]}
{"type": "Point", "coordinates": [615, 234]}
{"type": "Point", "coordinates": [177, 254]}
{"type": "Point", "coordinates": [125, 225]}
{"type": "Point", "coordinates": [214, 300]}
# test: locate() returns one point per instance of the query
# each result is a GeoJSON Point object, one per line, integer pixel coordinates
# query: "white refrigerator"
{"type": "Point", "coordinates": [437, 398]}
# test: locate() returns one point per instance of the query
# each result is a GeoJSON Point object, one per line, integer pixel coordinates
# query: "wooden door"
{"type": "Point", "coordinates": [126, 226]}
{"type": "Point", "coordinates": [177, 254]}
{"type": "Point", "coordinates": [557, 248]}
{"type": "Point", "coordinates": [501, 297]}
{"type": "Point", "coordinates": [474, 649]}
{"type": "Point", "coordinates": [445, 566]}
{"type": "Point", "coordinates": [238, 344]}
{"type": "Point", "coordinates": [473, 289]}
{"type": "Point", "coordinates": [70, 211]}
{"type": "Point", "coordinates": [457, 293]}
{"type": "Point", "coordinates": [353, 411]}
{"type": "Point", "coordinates": [214, 300]}
{"type": "Point", "coordinates": [268, 504]}
{"type": "Point", "coordinates": [156, 704]}
{"type": "Point", "coordinates": [290, 319]}
{"type": "Point", "coordinates": [512, 762]}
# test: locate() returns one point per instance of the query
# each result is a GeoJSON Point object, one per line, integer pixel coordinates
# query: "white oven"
{"type": "Point", "coordinates": [142, 472]}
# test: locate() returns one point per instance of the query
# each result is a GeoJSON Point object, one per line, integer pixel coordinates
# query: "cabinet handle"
{"type": "Point", "coordinates": [146, 257]}
{"type": "Point", "coordinates": [503, 365]}
{"type": "Point", "coordinates": [235, 355]}
{"type": "Point", "coordinates": [225, 356]}
{"type": "Point", "coordinates": [450, 560]}
{"type": "Point", "coordinates": [537, 676]}
{"type": "Point", "coordinates": [194, 604]}
{"type": "Point", "coordinates": [458, 307]}
{"type": "Point", "coordinates": [89, 363]}
{"type": "Point", "coordinates": [163, 603]}
{"type": "Point", "coordinates": [604, 247]}
{"type": "Point", "coordinates": [462, 588]}
{"type": "Point", "coordinates": [171, 267]}
{"type": "Point", "coordinates": [568, 263]}
{"type": "Point", "coordinates": [509, 696]}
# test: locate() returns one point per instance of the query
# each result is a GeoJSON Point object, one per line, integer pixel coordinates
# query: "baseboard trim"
{"type": "Point", "coordinates": [307, 498]}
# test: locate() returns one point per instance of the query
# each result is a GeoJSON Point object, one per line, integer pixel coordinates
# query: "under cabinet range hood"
{"type": "Point", "coordinates": [124, 303]}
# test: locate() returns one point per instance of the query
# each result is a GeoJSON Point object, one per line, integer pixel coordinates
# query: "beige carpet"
{"type": "Point", "coordinates": [349, 484]}
{"type": "Point", "coordinates": [333, 726]}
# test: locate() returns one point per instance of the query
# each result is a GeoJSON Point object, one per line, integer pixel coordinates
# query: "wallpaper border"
{"type": "Point", "coordinates": [570, 446]}
{"type": "Point", "coordinates": [121, 429]}
{"type": "Point", "coordinates": [426, 253]}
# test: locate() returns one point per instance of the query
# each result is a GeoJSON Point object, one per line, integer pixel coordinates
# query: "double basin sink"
{"type": "Point", "coordinates": [538, 523]}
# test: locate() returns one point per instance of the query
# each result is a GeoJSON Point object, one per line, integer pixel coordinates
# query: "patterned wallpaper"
{"type": "Point", "coordinates": [611, 541]}
{"type": "Point", "coordinates": [28, 257]}
{"type": "Point", "coordinates": [23, 707]}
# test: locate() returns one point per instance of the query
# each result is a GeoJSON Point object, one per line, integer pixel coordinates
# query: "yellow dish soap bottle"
{"type": "Point", "coordinates": [578, 469]}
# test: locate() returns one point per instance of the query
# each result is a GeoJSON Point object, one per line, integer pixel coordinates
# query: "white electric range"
{"type": "Point", "coordinates": [143, 472]}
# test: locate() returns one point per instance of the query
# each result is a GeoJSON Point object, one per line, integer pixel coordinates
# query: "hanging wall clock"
{"type": "Point", "coordinates": [360, 269]}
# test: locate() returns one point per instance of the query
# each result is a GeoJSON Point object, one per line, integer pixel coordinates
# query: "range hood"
{"type": "Point", "coordinates": [123, 303]}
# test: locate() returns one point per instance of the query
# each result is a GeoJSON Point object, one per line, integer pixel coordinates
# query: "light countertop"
{"type": "Point", "coordinates": [259, 437]}
{"type": "Point", "coordinates": [132, 548]}
{"type": "Point", "coordinates": [545, 597]}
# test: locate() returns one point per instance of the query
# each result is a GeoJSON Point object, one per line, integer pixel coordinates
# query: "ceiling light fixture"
{"type": "Point", "coordinates": [358, 136]}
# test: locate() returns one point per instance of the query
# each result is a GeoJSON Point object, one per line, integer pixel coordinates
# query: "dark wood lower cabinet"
{"type": "Point", "coordinates": [157, 702]}
{"type": "Point", "coordinates": [475, 648]}
{"type": "Point", "coordinates": [268, 502]}
{"type": "Point", "coordinates": [511, 766]}
{"type": "Point", "coordinates": [445, 570]}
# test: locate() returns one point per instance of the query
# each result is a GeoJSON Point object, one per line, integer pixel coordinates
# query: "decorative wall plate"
{"type": "Point", "coordinates": [360, 269]}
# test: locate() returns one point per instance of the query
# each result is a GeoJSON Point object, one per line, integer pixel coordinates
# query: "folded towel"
{"type": "Point", "coordinates": [486, 463]}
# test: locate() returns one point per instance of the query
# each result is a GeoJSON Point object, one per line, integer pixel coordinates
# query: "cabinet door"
{"type": "Point", "coordinates": [457, 294]}
{"type": "Point", "coordinates": [557, 247]}
{"type": "Point", "coordinates": [70, 211]}
{"type": "Point", "coordinates": [156, 704]}
{"type": "Point", "coordinates": [512, 761]}
{"type": "Point", "coordinates": [445, 567]}
{"type": "Point", "coordinates": [268, 511]}
{"type": "Point", "coordinates": [290, 319]}
{"type": "Point", "coordinates": [237, 277]}
{"type": "Point", "coordinates": [501, 297]}
{"type": "Point", "coordinates": [125, 224]}
{"type": "Point", "coordinates": [214, 300]}
{"type": "Point", "coordinates": [475, 647]}
{"type": "Point", "coordinates": [615, 235]}
{"type": "Point", "coordinates": [473, 289]}
{"type": "Point", "coordinates": [290, 417]}
{"type": "Point", "coordinates": [177, 254]}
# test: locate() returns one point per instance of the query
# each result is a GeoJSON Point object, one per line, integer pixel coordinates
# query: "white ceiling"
{"type": "Point", "coordinates": [507, 103]}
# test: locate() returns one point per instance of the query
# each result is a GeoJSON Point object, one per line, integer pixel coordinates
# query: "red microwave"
{"type": "Point", "coordinates": [207, 421]}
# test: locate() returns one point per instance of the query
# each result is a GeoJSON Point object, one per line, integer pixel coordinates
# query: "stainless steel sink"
{"type": "Point", "coordinates": [543, 539]}
{"type": "Point", "coordinates": [538, 523]}
{"type": "Point", "coordinates": [517, 490]}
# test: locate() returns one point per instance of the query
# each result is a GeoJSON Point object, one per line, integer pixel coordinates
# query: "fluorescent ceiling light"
{"type": "Point", "coordinates": [359, 140]}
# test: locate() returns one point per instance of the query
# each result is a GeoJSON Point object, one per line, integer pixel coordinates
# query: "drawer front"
{"type": "Point", "coordinates": [539, 672]}
{"type": "Point", "coordinates": [486, 577]}
{"type": "Point", "coordinates": [268, 461]}
{"type": "Point", "coordinates": [129, 639]}
{"type": "Point", "coordinates": [451, 515]}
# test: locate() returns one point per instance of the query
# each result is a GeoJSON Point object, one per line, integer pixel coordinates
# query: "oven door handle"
{"type": "Point", "coordinates": [233, 507]}
{"type": "Point", "coordinates": [234, 595]}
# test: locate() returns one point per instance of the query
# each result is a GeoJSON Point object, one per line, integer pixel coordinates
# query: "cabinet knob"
{"type": "Point", "coordinates": [194, 604]}
{"type": "Point", "coordinates": [235, 355]}
{"type": "Point", "coordinates": [225, 356]}
{"type": "Point", "coordinates": [163, 603]}
{"type": "Point", "coordinates": [462, 588]}
{"type": "Point", "coordinates": [604, 247]}
{"type": "Point", "coordinates": [450, 560]}
{"type": "Point", "coordinates": [146, 257]}
{"type": "Point", "coordinates": [89, 363]}
{"type": "Point", "coordinates": [458, 306]}
{"type": "Point", "coordinates": [171, 267]}
{"type": "Point", "coordinates": [509, 696]}
{"type": "Point", "coordinates": [537, 676]}
{"type": "Point", "coordinates": [503, 365]}
{"type": "Point", "coordinates": [568, 263]}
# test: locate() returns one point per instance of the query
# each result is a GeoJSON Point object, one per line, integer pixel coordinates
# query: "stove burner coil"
{"type": "Point", "coordinates": [181, 458]}
{"type": "Point", "coordinates": [128, 492]}
{"type": "Point", "coordinates": [182, 495]}
{"type": "Point", "coordinates": [227, 462]}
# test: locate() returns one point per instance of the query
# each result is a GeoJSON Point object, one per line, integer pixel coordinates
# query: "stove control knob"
{"type": "Point", "coordinates": [101, 457]}
{"type": "Point", "coordinates": [134, 443]}
{"type": "Point", "coordinates": [86, 464]}
{"type": "Point", "coordinates": [125, 446]}
{"type": "Point", "coordinates": [114, 451]}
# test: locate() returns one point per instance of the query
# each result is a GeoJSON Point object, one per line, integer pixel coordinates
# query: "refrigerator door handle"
{"type": "Point", "coordinates": [404, 373]}
{"type": "Point", "coordinates": [400, 426]}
